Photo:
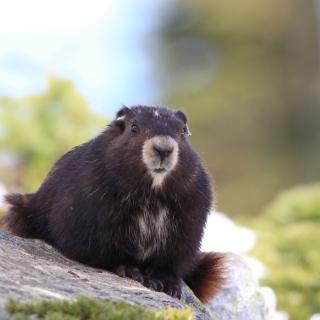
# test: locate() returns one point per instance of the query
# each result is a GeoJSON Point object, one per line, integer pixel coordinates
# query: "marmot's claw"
{"type": "Point", "coordinates": [154, 284]}
{"type": "Point", "coordinates": [167, 284]}
{"type": "Point", "coordinates": [130, 272]}
{"type": "Point", "coordinates": [120, 271]}
{"type": "Point", "coordinates": [173, 287]}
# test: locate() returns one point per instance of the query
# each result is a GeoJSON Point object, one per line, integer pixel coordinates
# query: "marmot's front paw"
{"type": "Point", "coordinates": [129, 272]}
{"type": "Point", "coordinates": [172, 286]}
{"type": "Point", "coordinates": [154, 284]}
{"type": "Point", "coordinates": [167, 284]}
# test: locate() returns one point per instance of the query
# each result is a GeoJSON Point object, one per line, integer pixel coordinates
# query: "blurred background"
{"type": "Point", "coordinates": [246, 73]}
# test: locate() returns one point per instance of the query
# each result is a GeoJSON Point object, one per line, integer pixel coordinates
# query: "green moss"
{"type": "Point", "coordinates": [91, 309]}
{"type": "Point", "coordinates": [288, 243]}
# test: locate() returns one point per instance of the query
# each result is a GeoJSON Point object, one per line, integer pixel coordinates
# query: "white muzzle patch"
{"type": "Point", "coordinates": [160, 155]}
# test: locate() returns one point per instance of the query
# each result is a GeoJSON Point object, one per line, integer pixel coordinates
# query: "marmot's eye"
{"type": "Point", "coordinates": [185, 131]}
{"type": "Point", "coordinates": [134, 128]}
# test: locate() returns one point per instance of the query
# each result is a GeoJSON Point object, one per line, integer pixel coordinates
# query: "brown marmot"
{"type": "Point", "coordinates": [134, 200]}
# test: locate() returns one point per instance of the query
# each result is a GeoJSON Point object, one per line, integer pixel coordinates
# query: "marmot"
{"type": "Point", "coordinates": [134, 200]}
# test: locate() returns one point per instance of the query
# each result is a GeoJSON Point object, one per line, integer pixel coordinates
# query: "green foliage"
{"type": "Point", "coordinates": [36, 130]}
{"type": "Point", "coordinates": [289, 244]}
{"type": "Point", "coordinates": [91, 309]}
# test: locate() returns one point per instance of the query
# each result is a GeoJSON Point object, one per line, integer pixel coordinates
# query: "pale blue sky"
{"type": "Point", "coordinates": [102, 45]}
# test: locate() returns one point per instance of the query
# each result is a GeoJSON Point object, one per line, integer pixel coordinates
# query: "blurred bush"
{"type": "Point", "coordinates": [37, 129]}
{"type": "Point", "coordinates": [289, 244]}
{"type": "Point", "coordinates": [247, 73]}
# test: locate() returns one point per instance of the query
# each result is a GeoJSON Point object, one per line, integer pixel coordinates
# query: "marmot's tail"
{"type": "Point", "coordinates": [208, 276]}
{"type": "Point", "coordinates": [18, 219]}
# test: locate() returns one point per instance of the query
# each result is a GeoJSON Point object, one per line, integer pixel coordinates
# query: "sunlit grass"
{"type": "Point", "coordinates": [91, 309]}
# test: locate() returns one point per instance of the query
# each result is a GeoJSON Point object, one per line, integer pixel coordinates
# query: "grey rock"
{"type": "Point", "coordinates": [241, 297]}
{"type": "Point", "coordinates": [32, 270]}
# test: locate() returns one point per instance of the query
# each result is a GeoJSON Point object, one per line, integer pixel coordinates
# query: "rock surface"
{"type": "Point", "coordinates": [32, 270]}
{"type": "Point", "coordinates": [240, 298]}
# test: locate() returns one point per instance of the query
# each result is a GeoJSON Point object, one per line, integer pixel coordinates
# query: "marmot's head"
{"type": "Point", "coordinates": [150, 139]}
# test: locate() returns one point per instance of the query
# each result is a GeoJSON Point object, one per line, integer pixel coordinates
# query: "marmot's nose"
{"type": "Point", "coordinates": [162, 152]}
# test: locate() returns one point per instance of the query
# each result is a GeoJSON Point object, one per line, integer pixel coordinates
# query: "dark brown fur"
{"type": "Point", "coordinates": [208, 276]}
{"type": "Point", "coordinates": [18, 220]}
{"type": "Point", "coordinates": [90, 204]}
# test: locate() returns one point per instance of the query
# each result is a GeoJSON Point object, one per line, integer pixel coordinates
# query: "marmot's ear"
{"type": "Point", "coordinates": [123, 112]}
{"type": "Point", "coordinates": [121, 116]}
{"type": "Point", "coordinates": [181, 115]}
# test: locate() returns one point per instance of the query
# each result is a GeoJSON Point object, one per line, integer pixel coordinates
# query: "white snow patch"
{"type": "Point", "coordinates": [222, 234]}
{"type": "Point", "coordinates": [3, 192]}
